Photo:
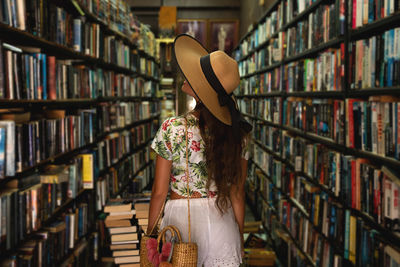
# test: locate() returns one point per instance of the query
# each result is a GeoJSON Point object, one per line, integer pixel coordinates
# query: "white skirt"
{"type": "Point", "coordinates": [217, 236]}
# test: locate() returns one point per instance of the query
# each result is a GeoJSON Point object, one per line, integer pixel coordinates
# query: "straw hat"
{"type": "Point", "coordinates": [213, 78]}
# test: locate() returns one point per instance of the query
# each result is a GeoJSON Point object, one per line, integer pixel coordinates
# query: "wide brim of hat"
{"type": "Point", "coordinates": [188, 52]}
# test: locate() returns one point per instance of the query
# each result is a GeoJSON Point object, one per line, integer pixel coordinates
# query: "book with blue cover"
{"type": "Point", "coordinates": [2, 150]}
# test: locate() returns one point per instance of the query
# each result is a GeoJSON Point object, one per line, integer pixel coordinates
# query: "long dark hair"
{"type": "Point", "coordinates": [223, 154]}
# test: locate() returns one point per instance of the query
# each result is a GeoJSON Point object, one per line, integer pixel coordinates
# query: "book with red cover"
{"type": "Point", "coordinates": [51, 83]}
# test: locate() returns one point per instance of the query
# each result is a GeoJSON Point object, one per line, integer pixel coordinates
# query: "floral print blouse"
{"type": "Point", "coordinates": [170, 144]}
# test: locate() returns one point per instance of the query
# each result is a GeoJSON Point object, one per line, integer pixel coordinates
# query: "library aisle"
{"type": "Point", "coordinates": [86, 86]}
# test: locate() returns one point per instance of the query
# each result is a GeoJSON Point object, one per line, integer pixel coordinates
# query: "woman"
{"type": "Point", "coordinates": [216, 135]}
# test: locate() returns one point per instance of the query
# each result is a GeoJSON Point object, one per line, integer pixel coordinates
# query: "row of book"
{"type": "Point", "coordinates": [323, 117]}
{"type": "Point", "coordinates": [271, 166]}
{"type": "Point", "coordinates": [261, 84]}
{"type": "Point", "coordinates": [265, 57]}
{"type": "Point", "coordinates": [319, 27]}
{"type": "Point", "coordinates": [323, 73]}
{"type": "Point", "coordinates": [325, 23]}
{"type": "Point", "coordinates": [374, 62]}
{"type": "Point", "coordinates": [268, 136]}
{"type": "Point", "coordinates": [365, 12]}
{"type": "Point", "coordinates": [311, 241]}
{"type": "Point", "coordinates": [88, 38]}
{"type": "Point", "coordinates": [36, 16]}
{"type": "Point", "coordinates": [28, 73]}
{"type": "Point", "coordinates": [28, 139]}
{"type": "Point", "coordinates": [37, 252]}
{"type": "Point", "coordinates": [119, 115]}
{"type": "Point", "coordinates": [117, 146]}
{"type": "Point", "coordinates": [115, 13]}
{"type": "Point", "coordinates": [24, 210]}
{"type": "Point", "coordinates": [262, 33]}
{"type": "Point", "coordinates": [269, 109]}
{"type": "Point", "coordinates": [24, 143]}
{"type": "Point", "coordinates": [370, 125]}
{"type": "Point", "coordinates": [374, 125]}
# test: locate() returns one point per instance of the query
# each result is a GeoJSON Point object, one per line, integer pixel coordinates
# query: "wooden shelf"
{"type": "Point", "coordinates": [263, 70]}
{"type": "Point", "coordinates": [375, 28]}
{"type": "Point", "coordinates": [68, 103]}
{"type": "Point", "coordinates": [367, 92]}
{"type": "Point", "coordinates": [318, 94]}
{"type": "Point", "coordinates": [315, 50]}
{"type": "Point", "coordinates": [266, 95]}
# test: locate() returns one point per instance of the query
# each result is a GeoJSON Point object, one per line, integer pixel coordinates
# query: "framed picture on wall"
{"type": "Point", "coordinates": [223, 35]}
{"type": "Point", "coordinates": [194, 27]}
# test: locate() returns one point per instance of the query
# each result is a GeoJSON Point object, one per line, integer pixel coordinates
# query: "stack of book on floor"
{"type": "Point", "coordinates": [142, 215]}
{"type": "Point", "coordinates": [257, 253]}
{"type": "Point", "coordinates": [260, 257]}
{"type": "Point", "coordinates": [252, 227]}
{"type": "Point", "coordinates": [123, 231]}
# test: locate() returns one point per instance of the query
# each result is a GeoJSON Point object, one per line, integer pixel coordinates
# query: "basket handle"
{"type": "Point", "coordinates": [174, 231]}
{"type": "Point", "coordinates": [157, 221]}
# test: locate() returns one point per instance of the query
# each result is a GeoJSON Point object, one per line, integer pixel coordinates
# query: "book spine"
{"type": "Point", "coordinates": [77, 35]}
{"type": "Point", "coordinates": [52, 94]}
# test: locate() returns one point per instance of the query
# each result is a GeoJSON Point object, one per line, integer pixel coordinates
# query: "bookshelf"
{"type": "Point", "coordinates": [312, 139]}
{"type": "Point", "coordinates": [101, 129]}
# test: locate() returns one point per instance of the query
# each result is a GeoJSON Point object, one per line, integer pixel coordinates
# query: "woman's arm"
{"type": "Point", "coordinates": [160, 189]}
{"type": "Point", "coordinates": [237, 197]}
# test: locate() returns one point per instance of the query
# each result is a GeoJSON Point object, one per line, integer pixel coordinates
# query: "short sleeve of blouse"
{"type": "Point", "coordinates": [162, 140]}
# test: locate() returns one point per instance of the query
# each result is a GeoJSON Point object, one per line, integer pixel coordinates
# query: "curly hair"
{"type": "Point", "coordinates": [223, 154]}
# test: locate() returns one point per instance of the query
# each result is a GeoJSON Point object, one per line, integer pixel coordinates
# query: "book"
{"type": "Point", "coordinates": [117, 207]}
{"type": "Point", "coordinates": [120, 216]}
{"type": "Point", "coordinates": [117, 223]}
{"type": "Point", "coordinates": [87, 171]}
{"type": "Point", "coordinates": [120, 230]}
{"type": "Point", "coordinates": [9, 127]}
{"type": "Point", "coordinates": [123, 253]}
{"type": "Point", "coordinates": [130, 259]}
{"type": "Point", "coordinates": [143, 221]}
{"type": "Point", "coordinates": [124, 246]}
{"type": "Point", "coordinates": [124, 237]}
{"type": "Point", "coordinates": [2, 151]}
